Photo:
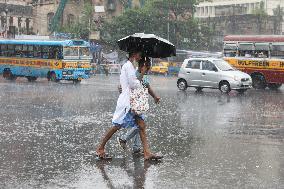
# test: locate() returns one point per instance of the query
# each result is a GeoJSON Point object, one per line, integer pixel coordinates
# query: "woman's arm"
{"type": "Point", "coordinates": [151, 92]}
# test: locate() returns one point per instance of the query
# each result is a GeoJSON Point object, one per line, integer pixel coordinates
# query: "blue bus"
{"type": "Point", "coordinates": [54, 60]}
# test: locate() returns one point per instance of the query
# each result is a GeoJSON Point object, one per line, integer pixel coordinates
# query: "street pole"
{"type": "Point", "coordinates": [6, 18]}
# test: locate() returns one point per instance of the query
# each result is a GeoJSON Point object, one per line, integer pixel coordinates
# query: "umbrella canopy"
{"type": "Point", "coordinates": [149, 44]}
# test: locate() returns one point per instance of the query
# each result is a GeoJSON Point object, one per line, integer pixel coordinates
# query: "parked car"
{"type": "Point", "coordinates": [212, 73]}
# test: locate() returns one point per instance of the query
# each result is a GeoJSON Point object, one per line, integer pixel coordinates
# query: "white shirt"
{"type": "Point", "coordinates": [128, 80]}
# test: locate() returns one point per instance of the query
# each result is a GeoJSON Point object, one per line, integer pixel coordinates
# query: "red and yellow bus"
{"type": "Point", "coordinates": [261, 56]}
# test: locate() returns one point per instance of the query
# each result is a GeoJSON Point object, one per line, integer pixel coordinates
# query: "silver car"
{"type": "Point", "coordinates": [212, 73]}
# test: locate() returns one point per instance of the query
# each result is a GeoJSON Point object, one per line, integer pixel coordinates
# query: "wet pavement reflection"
{"type": "Point", "coordinates": [48, 134]}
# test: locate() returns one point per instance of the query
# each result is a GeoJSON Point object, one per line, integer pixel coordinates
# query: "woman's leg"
{"type": "Point", "coordinates": [143, 136]}
{"type": "Point", "coordinates": [136, 145]}
{"type": "Point", "coordinates": [130, 134]}
{"type": "Point", "coordinates": [101, 148]}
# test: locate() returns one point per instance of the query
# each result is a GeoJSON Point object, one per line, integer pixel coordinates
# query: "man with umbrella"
{"type": "Point", "coordinates": [123, 117]}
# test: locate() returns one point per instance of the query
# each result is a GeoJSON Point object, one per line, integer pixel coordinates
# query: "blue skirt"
{"type": "Point", "coordinates": [129, 120]}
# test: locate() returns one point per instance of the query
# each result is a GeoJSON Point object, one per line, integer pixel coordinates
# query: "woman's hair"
{"type": "Point", "coordinates": [144, 61]}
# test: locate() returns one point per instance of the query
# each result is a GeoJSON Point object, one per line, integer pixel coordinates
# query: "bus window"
{"type": "Point", "coordinates": [55, 52]}
{"type": "Point", "coordinates": [3, 50]}
{"type": "Point", "coordinates": [230, 50]}
{"type": "Point", "coordinates": [30, 51]}
{"type": "Point", "coordinates": [25, 51]}
{"type": "Point", "coordinates": [246, 49]}
{"type": "Point", "coordinates": [44, 52]}
{"type": "Point", "coordinates": [261, 50]}
{"type": "Point", "coordinates": [84, 52]}
{"type": "Point", "coordinates": [37, 51]}
{"type": "Point", "coordinates": [18, 50]}
{"type": "Point", "coordinates": [71, 52]}
{"type": "Point", "coordinates": [277, 51]}
{"type": "Point", "coordinates": [11, 50]}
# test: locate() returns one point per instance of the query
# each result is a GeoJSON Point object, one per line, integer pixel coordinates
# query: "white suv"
{"type": "Point", "coordinates": [212, 73]}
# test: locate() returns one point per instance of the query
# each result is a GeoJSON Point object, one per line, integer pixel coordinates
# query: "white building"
{"type": "Point", "coordinates": [214, 8]}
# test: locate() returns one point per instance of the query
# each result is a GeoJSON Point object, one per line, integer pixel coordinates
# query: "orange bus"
{"type": "Point", "coordinates": [261, 56]}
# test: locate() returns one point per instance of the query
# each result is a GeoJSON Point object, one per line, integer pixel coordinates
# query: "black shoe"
{"type": "Point", "coordinates": [121, 143]}
{"type": "Point", "coordinates": [137, 151]}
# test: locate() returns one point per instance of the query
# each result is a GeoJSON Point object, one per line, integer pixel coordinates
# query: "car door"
{"type": "Point", "coordinates": [209, 75]}
{"type": "Point", "coordinates": [193, 72]}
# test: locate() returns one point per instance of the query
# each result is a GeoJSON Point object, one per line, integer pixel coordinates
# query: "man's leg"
{"type": "Point", "coordinates": [101, 148]}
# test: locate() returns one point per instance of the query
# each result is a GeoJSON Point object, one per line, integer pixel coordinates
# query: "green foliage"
{"type": "Point", "coordinates": [260, 11]}
{"type": "Point", "coordinates": [261, 15]}
{"type": "Point", "coordinates": [165, 18]}
{"type": "Point", "coordinates": [81, 28]}
{"type": "Point", "coordinates": [278, 12]}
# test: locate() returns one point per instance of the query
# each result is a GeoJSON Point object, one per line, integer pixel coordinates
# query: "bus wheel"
{"type": "Point", "coordinates": [76, 81]}
{"type": "Point", "coordinates": [52, 77]}
{"type": "Point", "coordinates": [274, 86]}
{"type": "Point", "coordinates": [258, 81]}
{"type": "Point", "coordinates": [31, 79]}
{"type": "Point", "coordinates": [7, 74]}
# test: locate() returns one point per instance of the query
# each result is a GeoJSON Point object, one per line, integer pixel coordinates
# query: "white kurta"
{"type": "Point", "coordinates": [128, 80]}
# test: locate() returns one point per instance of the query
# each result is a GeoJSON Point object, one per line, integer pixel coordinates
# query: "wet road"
{"type": "Point", "coordinates": [209, 140]}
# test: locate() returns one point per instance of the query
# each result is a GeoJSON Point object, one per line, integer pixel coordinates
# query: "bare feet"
{"type": "Point", "coordinates": [153, 157]}
{"type": "Point", "coordinates": [100, 152]}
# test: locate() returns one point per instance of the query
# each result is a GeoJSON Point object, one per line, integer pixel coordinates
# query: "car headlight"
{"type": "Point", "coordinates": [236, 78]}
{"type": "Point", "coordinates": [64, 73]}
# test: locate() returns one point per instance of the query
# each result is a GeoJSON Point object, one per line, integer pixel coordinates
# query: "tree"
{"type": "Point", "coordinates": [261, 16]}
{"type": "Point", "coordinates": [166, 18]}
{"type": "Point", "coordinates": [81, 28]}
{"type": "Point", "coordinates": [278, 13]}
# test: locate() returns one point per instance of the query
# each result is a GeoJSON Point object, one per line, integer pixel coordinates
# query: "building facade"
{"type": "Point", "coordinates": [45, 10]}
{"type": "Point", "coordinates": [215, 8]}
{"type": "Point", "coordinates": [16, 17]}
{"type": "Point", "coordinates": [238, 17]}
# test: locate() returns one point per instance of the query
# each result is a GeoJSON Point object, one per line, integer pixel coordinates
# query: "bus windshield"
{"type": "Point", "coordinates": [77, 53]}
{"type": "Point", "coordinates": [223, 65]}
{"type": "Point", "coordinates": [84, 53]}
{"type": "Point", "coordinates": [71, 52]}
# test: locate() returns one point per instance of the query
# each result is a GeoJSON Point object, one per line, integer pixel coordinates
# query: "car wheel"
{"type": "Point", "coordinates": [258, 81]}
{"type": "Point", "coordinates": [225, 87]}
{"type": "Point", "coordinates": [198, 89]}
{"type": "Point", "coordinates": [182, 85]}
{"type": "Point", "coordinates": [274, 86]}
{"type": "Point", "coordinates": [241, 91]}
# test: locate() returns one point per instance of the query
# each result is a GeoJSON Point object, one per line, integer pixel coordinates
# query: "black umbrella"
{"type": "Point", "coordinates": [149, 44]}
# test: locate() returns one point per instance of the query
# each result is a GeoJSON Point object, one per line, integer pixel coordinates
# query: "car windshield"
{"type": "Point", "coordinates": [223, 65]}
